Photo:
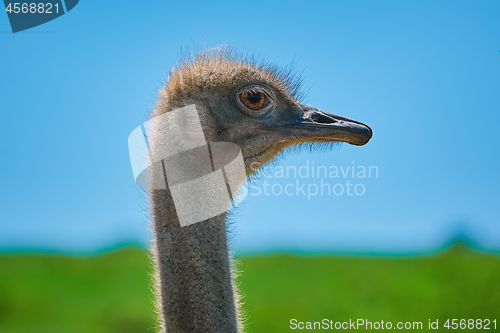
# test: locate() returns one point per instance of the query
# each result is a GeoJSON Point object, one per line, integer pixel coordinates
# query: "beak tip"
{"type": "Point", "coordinates": [363, 135]}
{"type": "Point", "coordinates": [369, 134]}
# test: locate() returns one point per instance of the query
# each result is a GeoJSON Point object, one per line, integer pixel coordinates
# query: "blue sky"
{"type": "Point", "coordinates": [425, 75]}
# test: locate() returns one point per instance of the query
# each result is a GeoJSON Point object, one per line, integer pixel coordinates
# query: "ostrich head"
{"type": "Point", "coordinates": [255, 106]}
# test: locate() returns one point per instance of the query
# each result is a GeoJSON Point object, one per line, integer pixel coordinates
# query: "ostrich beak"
{"type": "Point", "coordinates": [317, 125]}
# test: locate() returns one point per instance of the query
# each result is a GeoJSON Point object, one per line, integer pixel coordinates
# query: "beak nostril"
{"type": "Point", "coordinates": [322, 119]}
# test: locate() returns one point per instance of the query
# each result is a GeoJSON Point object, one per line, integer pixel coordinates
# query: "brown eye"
{"type": "Point", "coordinates": [254, 100]}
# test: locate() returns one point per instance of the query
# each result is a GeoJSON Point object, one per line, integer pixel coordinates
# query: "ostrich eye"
{"type": "Point", "coordinates": [254, 100]}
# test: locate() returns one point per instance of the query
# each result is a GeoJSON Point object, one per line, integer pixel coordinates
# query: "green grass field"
{"type": "Point", "coordinates": [110, 292]}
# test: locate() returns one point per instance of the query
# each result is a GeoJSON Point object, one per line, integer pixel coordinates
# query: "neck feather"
{"type": "Point", "coordinates": [194, 285]}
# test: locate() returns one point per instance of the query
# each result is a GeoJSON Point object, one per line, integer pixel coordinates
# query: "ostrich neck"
{"type": "Point", "coordinates": [194, 275]}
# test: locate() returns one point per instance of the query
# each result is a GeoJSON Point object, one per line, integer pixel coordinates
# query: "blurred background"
{"type": "Point", "coordinates": [414, 239]}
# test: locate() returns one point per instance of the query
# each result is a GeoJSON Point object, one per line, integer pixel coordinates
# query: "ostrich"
{"type": "Point", "coordinates": [255, 106]}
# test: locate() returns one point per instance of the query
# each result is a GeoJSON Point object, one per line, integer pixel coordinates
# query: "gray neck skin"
{"type": "Point", "coordinates": [194, 274]}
